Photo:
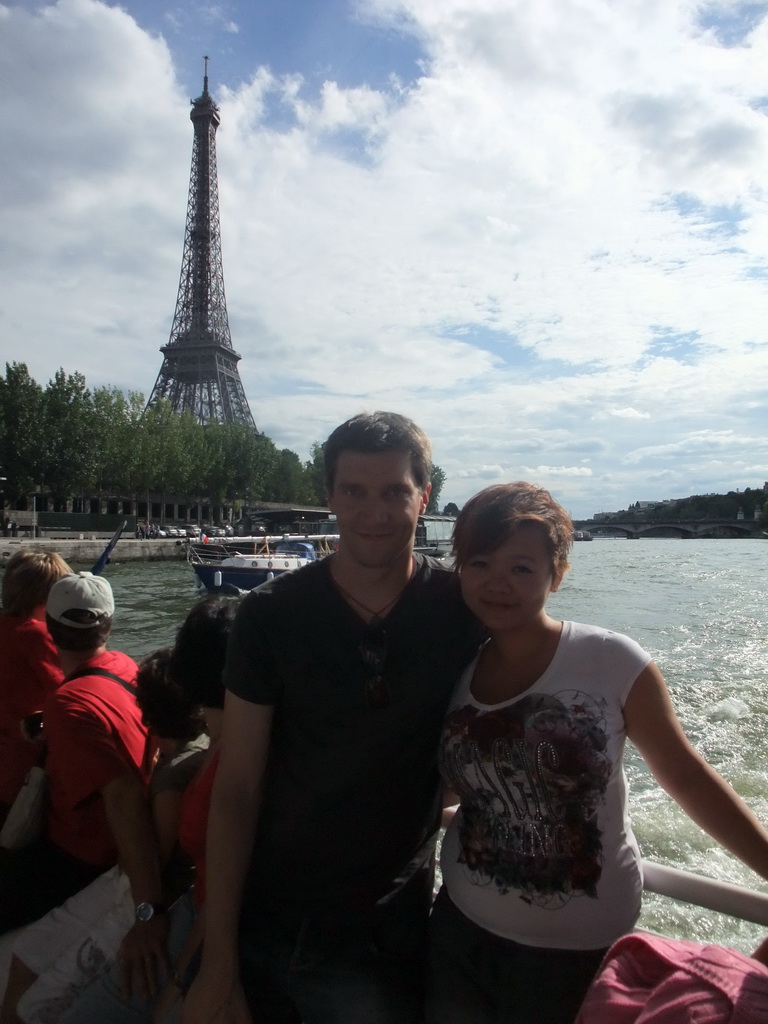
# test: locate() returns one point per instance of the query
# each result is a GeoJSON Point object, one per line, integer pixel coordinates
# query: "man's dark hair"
{"type": "Point", "coordinates": [197, 660]}
{"type": "Point", "coordinates": [166, 708]}
{"type": "Point", "coordinates": [376, 433]}
{"type": "Point", "coordinates": [88, 638]}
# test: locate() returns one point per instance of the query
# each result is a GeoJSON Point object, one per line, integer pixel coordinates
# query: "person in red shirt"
{"type": "Point", "coordinates": [196, 665]}
{"type": "Point", "coordinates": [98, 760]}
{"type": "Point", "coordinates": [29, 663]}
{"type": "Point", "coordinates": [55, 958]}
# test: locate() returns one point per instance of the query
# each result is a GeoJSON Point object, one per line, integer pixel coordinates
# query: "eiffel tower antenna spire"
{"type": "Point", "coordinates": [199, 372]}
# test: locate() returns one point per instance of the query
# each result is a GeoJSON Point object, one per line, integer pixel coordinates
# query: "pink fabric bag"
{"type": "Point", "coordinates": [647, 979]}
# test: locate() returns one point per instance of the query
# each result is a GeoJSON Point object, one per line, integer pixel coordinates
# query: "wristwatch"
{"type": "Point", "coordinates": [146, 911]}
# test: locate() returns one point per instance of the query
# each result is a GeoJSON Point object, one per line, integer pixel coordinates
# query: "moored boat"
{"type": "Point", "coordinates": [230, 567]}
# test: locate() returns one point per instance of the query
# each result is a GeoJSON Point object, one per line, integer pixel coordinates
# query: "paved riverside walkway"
{"type": "Point", "coordinates": [89, 547]}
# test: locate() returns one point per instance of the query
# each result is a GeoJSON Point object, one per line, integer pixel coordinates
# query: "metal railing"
{"type": "Point", "coordinates": [723, 897]}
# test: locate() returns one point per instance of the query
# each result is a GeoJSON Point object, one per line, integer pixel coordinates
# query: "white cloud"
{"type": "Point", "coordinates": [710, 442]}
{"type": "Point", "coordinates": [626, 414]}
{"type": "Point", "coordinates": [482, 473]}
{"type": "Point", "coordinates": [558, 471]}
{"type": "Point", "coordinates": [550, 250]}
{"type": "Point", "coordinates": [358, 109]}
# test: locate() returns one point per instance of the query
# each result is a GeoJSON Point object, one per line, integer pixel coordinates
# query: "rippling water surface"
{"type": "Point", "coordinates": [698, 606]}
{"type": "Point", "coordinates": [151, 601]}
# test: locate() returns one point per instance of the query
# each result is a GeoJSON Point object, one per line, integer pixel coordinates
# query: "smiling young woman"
{"type": "Point", "coordinates": [541, 870]}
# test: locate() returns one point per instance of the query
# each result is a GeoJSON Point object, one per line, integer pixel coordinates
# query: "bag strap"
{"type": "Point", "coordinates": [81, 672]}
{"type": "Point", "coordinates": [148, 758]}
{"type": "Point", "coordinates": [43, 752]}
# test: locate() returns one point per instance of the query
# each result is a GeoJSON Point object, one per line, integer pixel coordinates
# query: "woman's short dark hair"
{"type": "Point", "coordinates": [166, 708]}
{"type": "Point", "coordinates": [197, 661]}
{"type": "Point", "coordinates": [379, 433]}
{"type": "Point", "coordinates": [490, 518]}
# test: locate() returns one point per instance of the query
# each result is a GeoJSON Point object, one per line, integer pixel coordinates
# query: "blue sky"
{"type": "Point", "coordinates": [321, 39]}
{"type": "Point", "coordinates": [541, 230]}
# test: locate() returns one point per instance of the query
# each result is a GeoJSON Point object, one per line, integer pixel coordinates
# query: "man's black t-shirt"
{"type": "Point", "coordinates": [351, 788]}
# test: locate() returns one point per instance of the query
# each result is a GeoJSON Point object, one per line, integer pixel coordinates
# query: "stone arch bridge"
{"type": "Point", "coordinates": [633, 529]}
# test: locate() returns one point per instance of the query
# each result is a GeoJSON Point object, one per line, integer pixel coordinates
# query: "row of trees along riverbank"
{"type": "Point", "coordinates": [697, 508]}
{"type": "Point", "coordinates": [66, 440]}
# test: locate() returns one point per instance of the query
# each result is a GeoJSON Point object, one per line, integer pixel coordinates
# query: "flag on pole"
{"type": "Point", "coordinates": [102, 562]}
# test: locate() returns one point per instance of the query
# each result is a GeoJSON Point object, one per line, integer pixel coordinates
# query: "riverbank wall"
{"type": "Point", "coordinates": [90, 549]}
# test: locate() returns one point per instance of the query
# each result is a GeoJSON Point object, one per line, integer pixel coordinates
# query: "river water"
{"type": "Point", "coordinates": [698, 607]}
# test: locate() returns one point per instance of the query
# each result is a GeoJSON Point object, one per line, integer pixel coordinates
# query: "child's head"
{"type": "Point", "coordinates": [198, 656]}
{"type": "Point", "coordinates": [28, 578]}
{"type": "Point", "coordinates": [166, 708]}
{"type": "Point", "coordinates": [491, 517]}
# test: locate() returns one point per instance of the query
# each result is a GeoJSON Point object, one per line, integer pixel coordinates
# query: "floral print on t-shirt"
{"type": "Point", "coordinates": [530, 776]}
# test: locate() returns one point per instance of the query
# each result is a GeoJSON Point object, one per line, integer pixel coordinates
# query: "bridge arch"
{"type": "Point", "coordinates": [679, 530]}
{"type": "Point", "coordinates": [714, 528]}
{"type": "Point", "coordinates": [610, 530]}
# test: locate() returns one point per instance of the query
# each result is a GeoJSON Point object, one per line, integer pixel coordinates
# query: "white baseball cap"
{"type": "Point", "coordinates": [82, 592]}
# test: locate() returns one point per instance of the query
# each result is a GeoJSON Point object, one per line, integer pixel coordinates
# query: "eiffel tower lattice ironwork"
{"type": "Point", "coordinates": [199, 372]}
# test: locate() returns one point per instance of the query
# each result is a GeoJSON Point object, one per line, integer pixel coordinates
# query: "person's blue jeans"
{"type": "Point", "coordinates": [344, 967]}
{"type": "Point", "coordinates": [101, 1003]}
{"type": "Point", "coordinates": [475, 977]}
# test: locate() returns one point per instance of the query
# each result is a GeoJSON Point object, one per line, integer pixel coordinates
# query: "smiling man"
{"type": "Point", "coordinates": [327, 800]}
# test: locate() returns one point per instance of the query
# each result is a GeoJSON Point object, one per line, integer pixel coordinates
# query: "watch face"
{"type": "Point", "coordinates": [145, 912]}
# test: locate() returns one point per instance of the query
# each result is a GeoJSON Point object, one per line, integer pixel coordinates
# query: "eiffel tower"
{"type": "Point", "coordinates": [199, 372]}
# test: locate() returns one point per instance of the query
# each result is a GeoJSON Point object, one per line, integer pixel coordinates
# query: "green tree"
{"type": "Point", "coordinates": [70, 459]}
{"type": "Point", "coordinates": [217, 480]}
{"type": "Point", "coordinates": [22, 432]}
{"type": "Point", "coordinates": [137, 469]}
{"type": "Point", "coordinates": [437, 478]}
{"type": "Point", "coordinates": [451, 509]}
{"type": "Point", "coordinates": [179, 450]}
{"type": "Point", "coordinates": [289, 481]}
{"type": "Point", "coordinates": [111, 414]}
{"type": "Point", "coordinates": [151, 459]}
{"type": "Point", "coordinates": [315, 470]}
{"type": "Point", "coordinates": [67, 440]}
{"type": "Point", "coordinates": [194, 454]}
{"type": "Point", "coordinates": [259, 466]}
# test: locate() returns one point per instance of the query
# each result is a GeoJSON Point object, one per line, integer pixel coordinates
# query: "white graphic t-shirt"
{"type": "Point", "coordinates": [541, 850]}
